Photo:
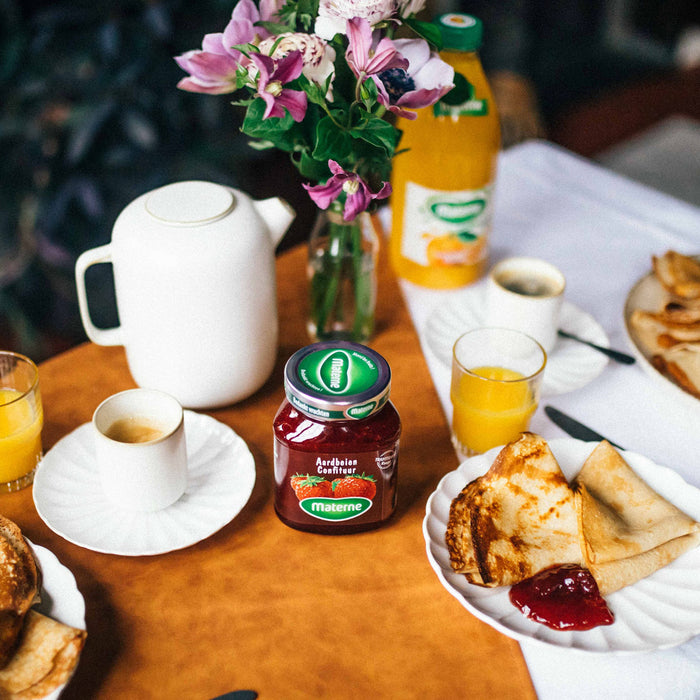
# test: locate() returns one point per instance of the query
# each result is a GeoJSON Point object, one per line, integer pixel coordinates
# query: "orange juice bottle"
{"type": "Point", "coordinates": [443, 187]}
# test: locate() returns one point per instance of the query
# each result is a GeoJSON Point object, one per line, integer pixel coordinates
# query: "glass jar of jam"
{"type": "Point", "coordinates": [336, 440]}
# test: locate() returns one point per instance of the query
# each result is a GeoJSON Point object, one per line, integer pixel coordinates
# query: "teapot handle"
{"type": "Point", "coordinates": [107, 336]}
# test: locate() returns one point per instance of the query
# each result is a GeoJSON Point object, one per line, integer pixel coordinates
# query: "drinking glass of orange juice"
{"type": "Point", "coordinates": [496, 378]}
{"type": "Point", "coordinates": [21, 420]}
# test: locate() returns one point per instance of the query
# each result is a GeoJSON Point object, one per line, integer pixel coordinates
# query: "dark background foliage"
{"type": "Point", "coordinates": [90, 119]}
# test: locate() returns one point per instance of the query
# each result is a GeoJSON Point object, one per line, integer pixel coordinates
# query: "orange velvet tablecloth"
{"type": "Point", "coordinates": [259, 605]}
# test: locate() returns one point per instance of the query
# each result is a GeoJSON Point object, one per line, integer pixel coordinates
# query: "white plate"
{"type": "Point", "coordinates": [648, 294]}
{"type": "Point", "coordinates": [570, 365]}
{"type": "Point", "coordinates": [69, 499]}
{"type": "Point", "coordinates": [60, 597]}
{"type": "Point", "coordinates": [660, 611]}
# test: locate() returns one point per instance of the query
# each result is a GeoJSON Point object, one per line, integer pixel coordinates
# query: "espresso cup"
{"type": "Point", "coordinates": [141, 450]}
{"type": "Point", "coordinates": [526, 294]}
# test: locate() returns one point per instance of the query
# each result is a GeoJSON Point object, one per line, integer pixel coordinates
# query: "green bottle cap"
{"type": "Point", "coordinates": [337, 380]}
{"type": "Point", "coordinates": [460, 32]}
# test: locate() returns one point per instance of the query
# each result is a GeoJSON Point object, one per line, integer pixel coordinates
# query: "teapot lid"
{"type": "Point", "coordinates": [190, 203]}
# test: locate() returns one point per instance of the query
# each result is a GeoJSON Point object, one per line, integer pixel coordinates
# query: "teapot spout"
{"type": "Point", "coordinates": [278, 216]}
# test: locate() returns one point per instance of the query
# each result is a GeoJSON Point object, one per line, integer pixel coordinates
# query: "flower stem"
{"type": "Point", "coordinates": [342, 283]}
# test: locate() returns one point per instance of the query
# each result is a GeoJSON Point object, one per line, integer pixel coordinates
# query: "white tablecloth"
{"type": "Point", "coordinates": [601, 230]}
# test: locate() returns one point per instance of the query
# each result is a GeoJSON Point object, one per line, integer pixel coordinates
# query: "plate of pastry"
{"type": "Point", "coordinates": [502, 519]}
{"type": "Point", "coordinates": [662, 321]}
{"type": "Point", "coordinates": [41, 646]}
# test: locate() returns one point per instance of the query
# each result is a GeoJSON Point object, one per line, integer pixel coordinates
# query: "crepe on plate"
{"type": "Point", "coordinates": [522, 516]}
{"type": "Point", "coordinates": [45, 659]}
{"type": "Point", "coordinates": [40, 653]}
{"type": "Point", "coordinates": [670, 335]}
{"type": "Point", "coordinates": [679, 274]}
{"type": "Point", "coordinates": [515, 520]}
{"type": "Point", "coordinates": [628, 530]}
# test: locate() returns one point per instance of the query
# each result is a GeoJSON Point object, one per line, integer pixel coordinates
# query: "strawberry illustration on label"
{"type": "Point", "coordinates": [308, 486]}
{"type": "Point", "coordinates": [355, 485]}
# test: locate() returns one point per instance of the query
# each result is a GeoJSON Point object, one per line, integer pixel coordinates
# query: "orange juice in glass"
{"type": "Point", "coordinates": [496, 378]}
{"type": "Point", "coordinates": [21, 421]}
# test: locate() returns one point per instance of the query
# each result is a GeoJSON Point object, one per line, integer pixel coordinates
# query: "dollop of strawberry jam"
{"type": "Point", "coordinates": [564, 597]}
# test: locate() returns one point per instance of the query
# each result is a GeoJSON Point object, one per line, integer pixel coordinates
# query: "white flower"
{"type": "Point", "coordinates": [333, 15]}
{"type": "Point", "coordinates": [410, 7]}
{"type": "Point", "coordinates": [317, 56]}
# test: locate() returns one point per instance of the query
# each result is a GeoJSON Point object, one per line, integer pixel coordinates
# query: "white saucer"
{"type": "Point", "coordinates": [570, 365]}
{"type": "Point", "coordinates": [69, 499]}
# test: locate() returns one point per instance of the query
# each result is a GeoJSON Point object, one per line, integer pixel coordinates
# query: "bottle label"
{"type": "Point", "coordinates": [445, 228]}
{"type": "Point", "coordinates": [473, 107]}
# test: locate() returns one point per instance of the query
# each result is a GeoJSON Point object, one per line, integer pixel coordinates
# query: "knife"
{"type": "Point", "coordinates": [574, 428]}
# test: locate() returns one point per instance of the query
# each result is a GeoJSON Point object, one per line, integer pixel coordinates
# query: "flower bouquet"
{"type": "Point", "coordinates": [321, 80]}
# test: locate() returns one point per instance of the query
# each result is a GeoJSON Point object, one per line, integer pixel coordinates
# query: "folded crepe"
{"type": "Point", "coordinates": [681, 364]}
{"type": "Point", "coordinates": [627, 530]}
{"type": "Point", "coordinates": [522, 516]}
{"type": "Point", "coordinates": [670, 336]}
{"type": "Point", "coordinates": [678, 273]}
{"type": "Point", "coordinates": [515, 520]}
{"type": "Point", "coordinates": [656, 332]}
{"type": "Point", "coordinates": [48, 653]}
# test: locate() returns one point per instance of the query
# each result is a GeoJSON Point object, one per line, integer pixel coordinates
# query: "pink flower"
{"type": "Point", "coordinates": [213, 69]}
{"type": "Point", "coordinates": [273, 75]}
{"type": "Point", "coordinates": [317, 55]}
{"type": "Point", "coordinates": [410, 7]}
{"type": "Point", "coordinates": [366, 54]}
{"type": "Point", "coordinates": [358, 194]}
{"type": "Point", "coordinates": [422, 84]}
{"type": "Point", "coordinates": [334, 14]}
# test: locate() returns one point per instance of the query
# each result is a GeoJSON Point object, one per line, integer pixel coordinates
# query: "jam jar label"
{"type": "Point", "coordinates": [335, 488]}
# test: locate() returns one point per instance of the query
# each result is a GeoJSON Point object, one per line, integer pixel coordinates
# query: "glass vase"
{"type": "Point", "coordinates": [342, 272]}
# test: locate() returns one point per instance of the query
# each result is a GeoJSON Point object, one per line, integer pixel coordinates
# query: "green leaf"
{"type": "Point", "coordinates": [377, 132]}
{"type": "Point", "coordinates": [426, 30]}
{"type": "Point", "coordinates": [310, 168]}
{"type": "Point", "coordinates": [246, 49]}
{"type": "Point", "coordinates": [242, 103]}
{"type": "Point", "coordinates": [331, 141]}
{"type": "Point", "coordinates": [315, 93]}
{"type": "Point", "coordinates": [261, 145]}
{"type": "Point", "coordinates": [274, 27]}
{"type": "Point", "coordinates": [278, 130]}
{"type": "Point", "coordinates": [369, 93]}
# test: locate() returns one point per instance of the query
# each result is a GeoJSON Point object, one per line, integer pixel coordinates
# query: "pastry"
{"type": "Point", "coordinates": [38, 654]}
{"type": "Point", "coordinates": [523, 517]}
{"type": "Point", "coordinates": [678, 273]}
{"type": "Point", "coordinates": [517, 519]}
{"type": "Point", "coordinates": [627, 529]}
{"type": "Point", "coordinates": [48, 653]}
{"type": "Point", "coordinates": [19, 585]}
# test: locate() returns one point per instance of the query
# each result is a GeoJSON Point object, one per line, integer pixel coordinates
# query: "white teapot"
{"type": "Point", "coordinates": [194, 275]}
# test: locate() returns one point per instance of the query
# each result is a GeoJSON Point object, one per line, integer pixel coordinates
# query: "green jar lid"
{"type": "Point", "coordinates": [337, 380]}
{"type": "Point", "coordinates": [460, 32]}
